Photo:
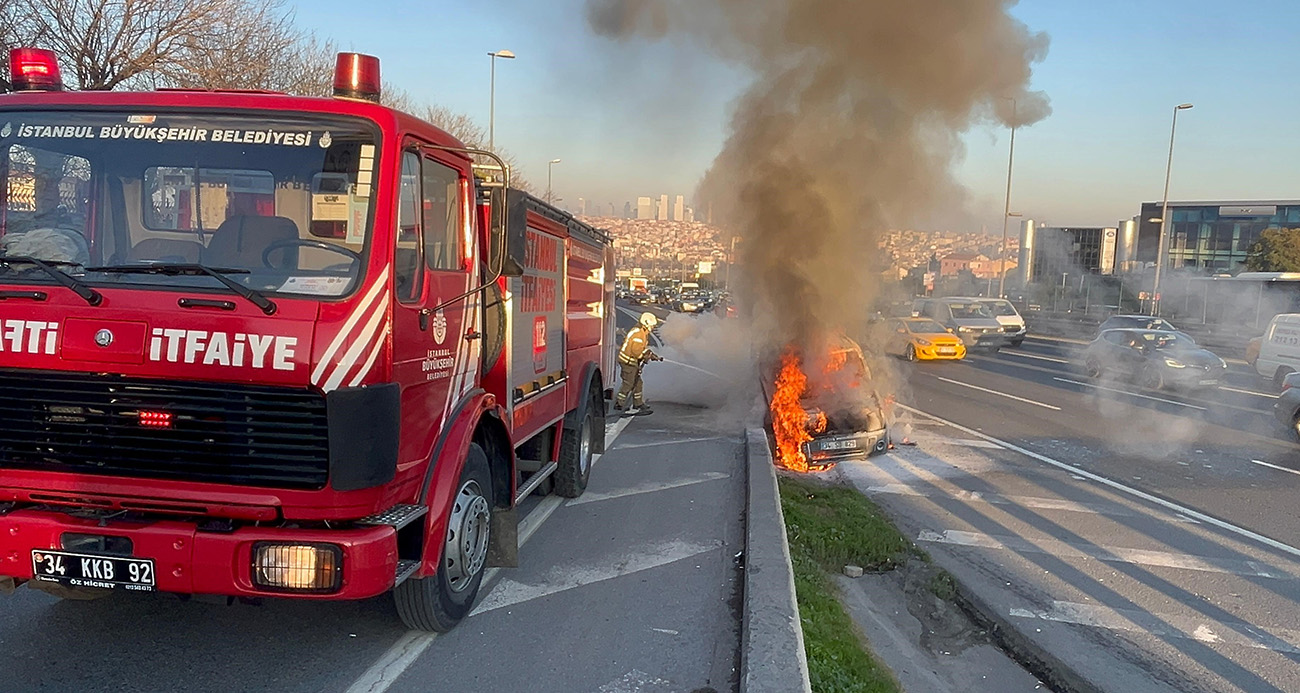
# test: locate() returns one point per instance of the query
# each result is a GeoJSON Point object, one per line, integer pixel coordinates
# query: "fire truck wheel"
{"type": "Point", "coordinates": [575, 456]}
{"type": "Point", "coordinates": [437, 603]}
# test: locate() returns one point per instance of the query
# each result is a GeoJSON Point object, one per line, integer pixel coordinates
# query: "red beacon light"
{"type": "Point", "coordinates": [34, 69]}
{"type": "Point", "coordinates": [356, 76]}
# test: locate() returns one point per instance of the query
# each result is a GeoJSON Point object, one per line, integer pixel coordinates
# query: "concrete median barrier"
{"type": "Point", "coordinates": [772, 649]}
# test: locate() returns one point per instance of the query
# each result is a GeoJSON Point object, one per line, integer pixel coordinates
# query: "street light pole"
{"type": "Point", "coordinates": [1164, 212]}
{"type": "Point", "coordinates": [492, 97]}
{"type": "Point", "coordinates": [1006, 209]}
{"type": "Point", "coordinates": [550, 169]}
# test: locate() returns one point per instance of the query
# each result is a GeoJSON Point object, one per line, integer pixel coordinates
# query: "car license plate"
{"type": "Point", "coordinates": [946, 350]}
{"type": "Point", "coordinates": [85, 570]}
{"type": "Point", "coordinates": [839, 444]}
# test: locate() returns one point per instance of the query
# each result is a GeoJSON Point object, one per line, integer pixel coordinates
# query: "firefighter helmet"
{"type": "Point", "coordinates": [649, 321]}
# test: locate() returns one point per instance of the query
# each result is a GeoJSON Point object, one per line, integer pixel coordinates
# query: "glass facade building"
{"type": "Point", "coordinates": [1212, 236]}
{"type": "Point", "coordinates": [1051, 252]}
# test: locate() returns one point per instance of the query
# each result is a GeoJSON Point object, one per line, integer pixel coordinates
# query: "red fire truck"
{"type": "Point", "coordinates": [259, 345]}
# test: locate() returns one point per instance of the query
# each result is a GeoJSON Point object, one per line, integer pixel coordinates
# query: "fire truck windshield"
{"type": "Point", "coordinates": [283, 202]}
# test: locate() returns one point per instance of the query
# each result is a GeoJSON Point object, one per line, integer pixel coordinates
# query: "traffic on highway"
{"type": "Point", "coordinates": [1140, 530]}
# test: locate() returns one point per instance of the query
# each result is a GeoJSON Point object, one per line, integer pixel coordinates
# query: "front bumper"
{"type": "Point", "coordinates": [984, 340]}
{"type": "Point", "coordinates": [829, 448]}
{"type": "Point", "coordinates": [192, 561]}
{"type": "Point", "coordinates": [937, 352]}
{"type": "Point", "coordinates": [1192, 376]}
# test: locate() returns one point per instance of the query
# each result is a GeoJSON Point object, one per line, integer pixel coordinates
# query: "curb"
{"type": "Point", "coordinates": [1050, 669]}
{"type": "Point", "coordinates": [772, 649]}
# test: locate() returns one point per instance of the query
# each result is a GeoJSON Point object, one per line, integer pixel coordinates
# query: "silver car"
{"type": "Point", "coordinates": [967, 318]}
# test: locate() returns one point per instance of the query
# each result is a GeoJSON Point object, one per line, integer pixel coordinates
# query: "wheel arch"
{"type": "Point", "coordinates": [472, 420]}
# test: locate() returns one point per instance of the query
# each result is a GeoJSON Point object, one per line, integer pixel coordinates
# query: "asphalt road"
{"type": "Point", "coordinates": [1151, 540]}
{"type": "Point", "coordinates": [633, 587]}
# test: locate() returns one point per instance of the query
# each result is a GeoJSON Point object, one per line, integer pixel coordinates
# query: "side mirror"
{"type": "Point", "coordinates": [902, 330]}
{"type": "Point", "coordinates": [951, 330]}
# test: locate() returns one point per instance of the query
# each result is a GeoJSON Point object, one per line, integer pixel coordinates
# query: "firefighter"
{"type": "Point", "coordinates": [631, 359]}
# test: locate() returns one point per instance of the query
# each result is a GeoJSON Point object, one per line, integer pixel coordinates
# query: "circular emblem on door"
{"type": "Point", "coordinates": [103, 338]}
{"type": "Point", "coordinates": [439, 326]}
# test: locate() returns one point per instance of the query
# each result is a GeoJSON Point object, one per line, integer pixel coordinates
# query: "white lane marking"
{"type": "Point", "coordinates": [1022, 501]}
{"type": "Point", "coordinates": [1168, 625]}
{"type": "Point", "coordinates": [636, 681]}
{"type": "Point", "coordinates": [649, 487]}
{"type": "Point", "coordinates": [1247, 392]}
{"type": "Point", "coordinates": [408, 648]}
{"type": "Point", "coordinates": [1034, 356]}
{"type": "Point", "coordinates": [565, 578]}
{"type": "Point", "coordinates": [1108, 554]}
{"type": "Point", "coordinates": [1131, 394]}
{"type": "Point", "coordinates": [1000, 394]}
{"type": "Point", "coordinates": [612, 432]}
{"type": "Point", "coordinates": [384, 672]}
{"type": "Point", "coordinates": [666, 631]}
{"type": "Point", "coordinates": [1073, 470]}
{"type": "Point", "coordinates": [971, 443]}
{"type": "Point", "coordinates": [679, 441]}
{"type": "Point", "coordinates": [1274, 466]}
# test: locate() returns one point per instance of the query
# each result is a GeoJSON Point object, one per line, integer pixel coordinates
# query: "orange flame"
{"type": "Point", "coordinates": [789, 420]}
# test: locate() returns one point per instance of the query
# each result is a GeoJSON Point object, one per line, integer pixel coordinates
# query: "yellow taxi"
{"type": "Point", "coordinates": [923, 339]}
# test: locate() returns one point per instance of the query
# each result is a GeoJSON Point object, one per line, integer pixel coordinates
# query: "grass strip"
{"type": "Point", "coordinates": [829, 527]}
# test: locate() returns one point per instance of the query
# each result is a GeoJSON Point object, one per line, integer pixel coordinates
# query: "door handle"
{"type": "Point", "coordinates": [424, 319]}
{"type": "Point", "coordinates": [472, 335]}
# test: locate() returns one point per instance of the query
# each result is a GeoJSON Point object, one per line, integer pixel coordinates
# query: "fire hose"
{"type": "Point", "coordinates": [694, 368]}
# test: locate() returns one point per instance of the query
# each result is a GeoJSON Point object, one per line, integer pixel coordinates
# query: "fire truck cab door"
{"type": "Point", "coordinates": [435, 347]}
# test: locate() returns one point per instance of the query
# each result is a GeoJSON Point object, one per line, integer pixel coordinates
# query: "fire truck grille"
{"type": "Point", "coordinates": [221, 433]}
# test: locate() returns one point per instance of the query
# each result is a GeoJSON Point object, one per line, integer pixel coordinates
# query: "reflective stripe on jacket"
{"type": "Point", "coordinates": [635, 346]}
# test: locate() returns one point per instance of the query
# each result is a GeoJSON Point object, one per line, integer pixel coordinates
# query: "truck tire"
{"type": "Point", "coordinates": [576, 448]}
{"type": "Point", "coordinates": [438, 602]}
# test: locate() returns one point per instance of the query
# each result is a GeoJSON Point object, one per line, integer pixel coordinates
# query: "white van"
{"type": "Point", "coordinates": [1279, 352]}
{"type": "Point", "coordinates": [1013, 324]}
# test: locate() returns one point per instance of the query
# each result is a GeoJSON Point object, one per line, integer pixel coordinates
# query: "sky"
{"type": "Point", "coordinates": [647, 119]}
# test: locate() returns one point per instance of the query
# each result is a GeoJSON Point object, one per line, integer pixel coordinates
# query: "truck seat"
{"type": "Point", "coordinates": [241, 240]}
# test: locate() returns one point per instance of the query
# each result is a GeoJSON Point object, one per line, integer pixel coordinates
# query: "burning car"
{"type": "Point", "coordinates": [822, 407]}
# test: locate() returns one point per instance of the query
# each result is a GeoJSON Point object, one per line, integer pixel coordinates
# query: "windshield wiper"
{"type": "Point", "coordinates": [193, 269]}
{"type": "Point", "coordinates": [51, 267]}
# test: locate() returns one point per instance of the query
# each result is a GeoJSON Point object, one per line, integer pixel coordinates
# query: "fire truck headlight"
{"type": "Point", "coordinates": [297, 567]}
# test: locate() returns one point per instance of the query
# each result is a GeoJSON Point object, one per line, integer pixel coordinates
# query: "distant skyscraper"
{"type": "Point", "coordinates": [644, 208]}
{"type": "Point", "coordinates": [627, 210]}
{"type": "Point", "coordinates": [679, 208]}
{"type": "Point", "coordinates": [613, 214]}
{"type": "Point", "coordinates": [690, 214]}
{"type": "Point", "coordinates": [582, 206]}
{"type": "Point", "coordinates": [663, 208]}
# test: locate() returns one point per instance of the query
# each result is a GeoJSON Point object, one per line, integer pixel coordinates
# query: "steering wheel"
{"type": "Point", "coordinates": [305, 243]}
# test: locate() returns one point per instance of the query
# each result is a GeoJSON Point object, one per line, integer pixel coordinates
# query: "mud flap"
{"type": "Point", "coordinates": [503, 547]}
{"type": "Point", "coordinates": [8, 585]}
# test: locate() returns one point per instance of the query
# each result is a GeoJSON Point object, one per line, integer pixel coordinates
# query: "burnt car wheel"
{"type": "Point", "coordinates": [1092, 369]}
